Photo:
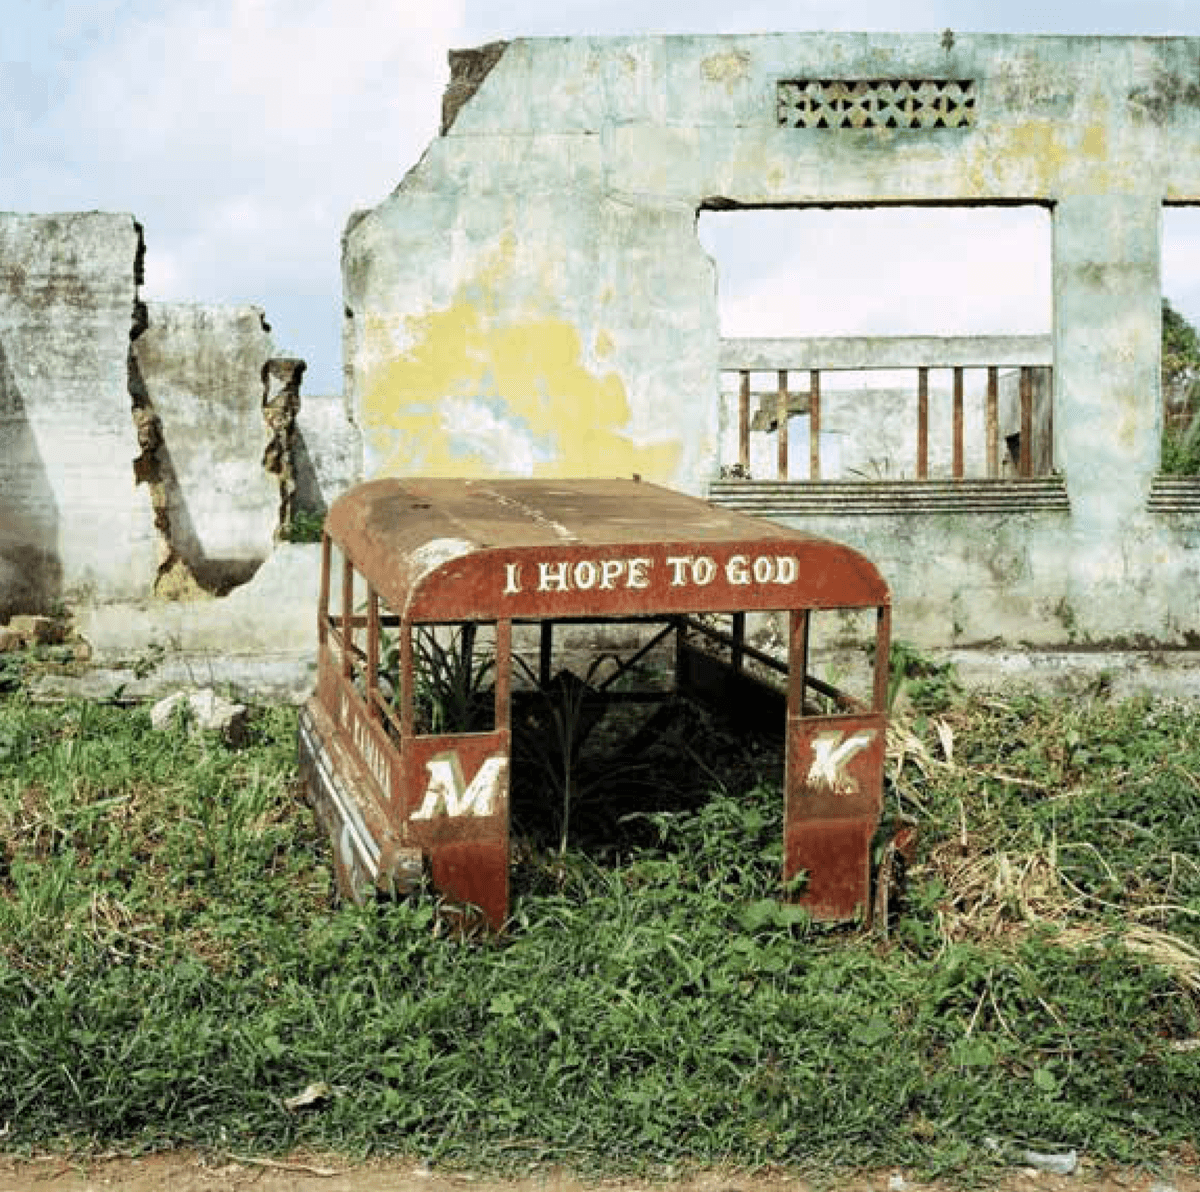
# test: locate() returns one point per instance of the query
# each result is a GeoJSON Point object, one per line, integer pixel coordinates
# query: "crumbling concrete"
{"type": "Point", "coordinates": [281, 380]}
{"type": "Point", "coordinates": [326, 453]}
{"type": "Point", "coordinates": [200, 392]}
{"type": "Point", "coordinates": [261, 637]}
{"type": "Point", "coordinates": [153, 455]}
{"type": "Point", "coordinates": [204, 711]}
{"type": "Point", "coordinates": [71, 522]}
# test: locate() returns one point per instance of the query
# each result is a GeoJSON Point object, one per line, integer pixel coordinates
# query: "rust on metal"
{"type": "Point", "coordinates": [814, 424]}
{"type": "Point", "coordinates": [781, 421]}
{"type": "Point", "coordinates": [347, 619]}
{"type": "Point", "coordinates": [323, 595]}
{"type": "Point", "coordinates": [744, 423]}
{"type": "Point", "coordinates": [1048, 392]}
{"type": "Point", "coordinates": [922, 423]}
{"type": "Point", "coordinates": [399, 790]}
{"type": "Point", "coordinates": [1026, 462]}
{"type": "Point", "coordinates": [958, 424]}
{"type": "Point", "coordinates": [993, 421]}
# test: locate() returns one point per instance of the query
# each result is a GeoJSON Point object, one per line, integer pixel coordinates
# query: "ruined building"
{"type": "Point", "coordinates": [533, 297]}
{"type": "Point", "coordinates": [533, 300]}
{"type": "Point", "coordinates": [153, 454]}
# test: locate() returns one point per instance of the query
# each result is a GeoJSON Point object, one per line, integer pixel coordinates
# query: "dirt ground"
{"type": "Point", "coordinates": [184, 1171]}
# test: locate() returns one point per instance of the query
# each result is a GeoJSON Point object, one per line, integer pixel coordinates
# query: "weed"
{"type": "Point", "coordinates": [927, 685]}
{"type": "Point", "coordinates": [1180, 371]}
{"type": "Point", "coordinates": [172, 970]}
{"type": "Point", "coordinates": [12, 672]}
{"type": "Point", "coordinates": [149, 660]}
{"type": "Point", "coordinates": [1181, 447]}
{"type": "Point", "coordinates": [550, 734]}
{"type": "Point", "coordinates": [306, 525]}
{"type": "Point", "coordinates": [455, 683]}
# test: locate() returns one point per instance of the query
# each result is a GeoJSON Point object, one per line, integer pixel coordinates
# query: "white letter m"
{"type": "Point", "coordinates": [448, 794]}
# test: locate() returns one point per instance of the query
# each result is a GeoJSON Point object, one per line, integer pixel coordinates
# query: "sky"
{"type": "Point", "coordinates": [242, 134]}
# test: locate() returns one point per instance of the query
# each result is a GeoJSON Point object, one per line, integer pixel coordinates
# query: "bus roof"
{"type": "Point", "coordinates": [456, 550]}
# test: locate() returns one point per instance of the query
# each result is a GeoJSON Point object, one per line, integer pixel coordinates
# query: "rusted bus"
{"type": "Point", "coordinates": [407, 743]}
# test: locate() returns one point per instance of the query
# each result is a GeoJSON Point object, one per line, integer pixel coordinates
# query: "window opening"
{"type": "Point", "coordinates": [619, 723]}
{"type": "Point", "coordinates": [454, 678]}
{"type": "Point", "coordinates": [387, 668]}
{"type": "Point", "coordinates": [1180, 359]}
{"type": "Point", "coordinates": [840, 676]}
{"type": "Point", "coordinates": [354, 628]}
{"type": "Point", "coordinates": [884, 344]}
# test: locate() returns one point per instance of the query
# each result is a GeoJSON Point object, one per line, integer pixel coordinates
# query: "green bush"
{"type": "Point", "coordinates": [1181, 392]}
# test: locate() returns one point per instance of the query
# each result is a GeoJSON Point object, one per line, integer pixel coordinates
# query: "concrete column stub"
{"type": "Point", "coordinates": [1107, 324]}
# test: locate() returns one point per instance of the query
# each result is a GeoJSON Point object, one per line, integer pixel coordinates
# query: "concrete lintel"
{"type": "Point", "coordinates": [877, 351]}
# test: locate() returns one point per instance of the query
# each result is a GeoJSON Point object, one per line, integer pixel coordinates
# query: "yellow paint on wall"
{"type": "Point", "coordinates": [474, 395]}
{"type": "Point", "coordinates": [1095, 142]}
{"type": "Point", "coordinates": [1041, 144]}
{"type": "Point", "coordinates": [729, 68]}
{"type": "Point", "coordinates": [1061, 162]}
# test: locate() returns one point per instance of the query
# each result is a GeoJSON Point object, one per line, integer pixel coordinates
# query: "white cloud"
{"type": "Point", "coordinates": [242, 133]}
{"type": "Point", "coordinates": [486, 19]}
{"type": "Point", "coordinates": [945, 271]}
{"type": "Point", "coordinates": [264, 121]}
{"type": "Point", "coordinates": [616, 17]}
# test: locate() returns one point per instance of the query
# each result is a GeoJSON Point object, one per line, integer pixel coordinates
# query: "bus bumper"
{"type": "Point", "coordinates": [367, 855]}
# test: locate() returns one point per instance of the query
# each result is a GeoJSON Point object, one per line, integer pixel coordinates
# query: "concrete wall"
{"type": "Point", "coordinates": [152, 454]}
{"type": "Point", "coordinates": [200, 373]}
{"type": "Point", "coordinates": [71, 520]}
{"type": "Point", "coordinates": [532, 299]}
{"type": "Point", "coordinates": [327, 452]}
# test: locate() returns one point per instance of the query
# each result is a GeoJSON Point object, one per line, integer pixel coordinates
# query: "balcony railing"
{"type": "Point", "coordinates": [800, 367]}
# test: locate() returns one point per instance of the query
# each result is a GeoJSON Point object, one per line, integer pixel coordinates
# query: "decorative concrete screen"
{"type": "Point", "coordinates": [877, 103]}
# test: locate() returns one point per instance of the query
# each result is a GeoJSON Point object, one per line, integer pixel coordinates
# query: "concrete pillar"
{"type": "Point", "coordinates": [1107, 327]}
{"type": "Point", "coordinates": [1107, 317]}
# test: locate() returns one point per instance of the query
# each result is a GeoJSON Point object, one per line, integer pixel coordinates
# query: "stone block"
{"type": "Point", "coordinates": [37, 631]}
{"type": "Point", "coordinates": [206, 711]}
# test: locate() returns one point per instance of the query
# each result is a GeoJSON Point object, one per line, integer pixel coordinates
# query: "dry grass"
{"type": "Point", "coordinates": [1008, 863]}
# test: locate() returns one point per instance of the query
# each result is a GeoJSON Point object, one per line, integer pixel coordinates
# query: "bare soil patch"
{"type": "Point", "coordinates": [187, 1171]}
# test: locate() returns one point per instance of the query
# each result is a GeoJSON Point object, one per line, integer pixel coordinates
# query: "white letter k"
{"type": "Point", "coordinates": [830, 755]}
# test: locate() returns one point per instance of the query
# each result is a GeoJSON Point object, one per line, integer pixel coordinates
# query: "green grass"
{"type": "Point", "coordinates": [172, 968]}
